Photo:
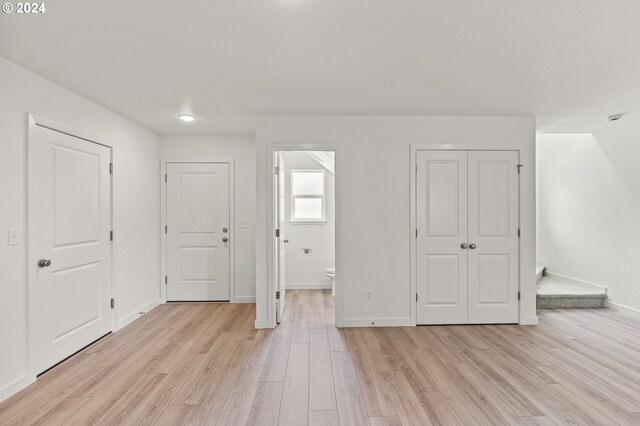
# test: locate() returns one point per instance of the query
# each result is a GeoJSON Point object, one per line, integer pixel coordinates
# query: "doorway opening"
{"type": "Point", "coordinates": [304, 239]}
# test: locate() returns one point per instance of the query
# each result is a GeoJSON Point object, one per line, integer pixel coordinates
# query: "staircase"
{"type": "Point", "coordinates": [558, 292]}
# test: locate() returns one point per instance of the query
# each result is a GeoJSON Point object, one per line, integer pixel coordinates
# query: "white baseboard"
{"type": "Point", "coordinates": [16, 386]}
{"type": "Point", "coordinates": [374, 322]}
{"type": "Point", "coordinates": [135, 315]}
{"type": "Point", "coordinates": [531, 320]}
{"type": "Point", "coordinates": [308, 286]}
{"type": "Point", "coordinates": [262, 324]}
{"type": "Point", "coordinates": [244, 299]}
{"type": "Point", "coordinates": [622, 308]}
{"type": "Point", "coordinates": [586, 284]}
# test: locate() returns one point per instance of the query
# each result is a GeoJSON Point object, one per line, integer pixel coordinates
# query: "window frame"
{"type": "Point", "coordinates": [322, 198]}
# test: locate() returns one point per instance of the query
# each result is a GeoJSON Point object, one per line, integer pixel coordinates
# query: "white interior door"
{"type": "Point", "coordinates": [69, 245]}
{"type": "Point", "coordinates": [198, 232]}
{"type": "Point", "coordinates": [493, 237]}
{"type": "Point", "coordinates": [442, 229]}
{"type": "Point", "coordinates": [280, 202]}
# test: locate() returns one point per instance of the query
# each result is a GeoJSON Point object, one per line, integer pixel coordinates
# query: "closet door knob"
{"type": "Point", "coordinates": [472, 246]}
{"type": "Point", "coordinates": [464, 245]}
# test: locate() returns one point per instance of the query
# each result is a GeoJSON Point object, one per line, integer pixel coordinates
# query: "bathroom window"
{"type": "Point", "coordinates": [307, 196]}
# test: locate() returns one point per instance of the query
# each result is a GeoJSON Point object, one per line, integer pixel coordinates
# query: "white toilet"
{"type": "Point", "coordinates": [331, 273]}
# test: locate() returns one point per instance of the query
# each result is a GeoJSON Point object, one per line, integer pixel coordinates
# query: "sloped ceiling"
{"type": "Point", "coordinates": [570, 63]}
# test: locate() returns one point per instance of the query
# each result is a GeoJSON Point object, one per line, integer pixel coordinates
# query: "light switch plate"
{"type": "Point", "coordinates": [242, 223]}
{"type": "Point", "coordinates": [13, 237]}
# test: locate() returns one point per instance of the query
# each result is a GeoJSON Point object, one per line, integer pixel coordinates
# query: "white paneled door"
{"type": "Point", "coordinates": [493, 237]}
{"type": "Point", "coordinates": [69, 252]}
{"type": "Point", "coordinates": [442, 224]}
{"type": "Point", "coordinates": [467, 245]}
{"type": "Point", "coordinates": [198, 232]}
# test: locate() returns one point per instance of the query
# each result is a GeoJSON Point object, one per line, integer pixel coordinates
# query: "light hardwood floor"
{"type": "Point", "coordinates": [205, 364]}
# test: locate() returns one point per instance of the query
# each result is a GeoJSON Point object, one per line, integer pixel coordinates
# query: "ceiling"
{"type": "Point", "coordinates": [570, 63]}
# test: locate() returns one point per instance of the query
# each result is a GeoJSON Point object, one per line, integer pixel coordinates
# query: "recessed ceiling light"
{"type": "Point", "coordinates": [187, 117]}
{"type": "Point", "coordinates": [614, 117]}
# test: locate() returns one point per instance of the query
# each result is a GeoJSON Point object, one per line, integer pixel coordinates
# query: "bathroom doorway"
{"type": "Point", "coordinates": [304, 243]}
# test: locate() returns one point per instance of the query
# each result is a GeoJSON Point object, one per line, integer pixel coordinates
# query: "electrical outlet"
{"type": "Point", "coordinates": [13, 237]}
{"type": "Point", "coordinates": [242, 223]}
{"type": "Point", "coordinates": [368, 294]}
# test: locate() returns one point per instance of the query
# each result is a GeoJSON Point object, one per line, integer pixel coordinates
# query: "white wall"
{"type": "Point", "coordinates": [590, 208]}
{"type": "Point", "coordinates": [135, 206]}
{"type": "Point", "coordinates": [242, 150]}
{"type": "Point", "coordinates": [373, 173]}
{"type": "Point", "coordinates": [308, 270]}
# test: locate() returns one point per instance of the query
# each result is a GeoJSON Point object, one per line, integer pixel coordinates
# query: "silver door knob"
{"type": "Point", "coordinates": [472, 246]}
{"type": "Point", "coordinates": [285, 241]}
{"type": "Point", "coordinates": [44, 263]}
{"type": "Point", "coordinates": [225, 239]}
{"type": "Point", "coordinates": [464, 245]}
{"type": "Point", "coordinates": [224, 230]}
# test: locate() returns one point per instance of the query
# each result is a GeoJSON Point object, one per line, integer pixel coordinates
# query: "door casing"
{"type": "Point", "coordinates": [413, 211]}
{"type": "Point", "coordinates": [271, 278]}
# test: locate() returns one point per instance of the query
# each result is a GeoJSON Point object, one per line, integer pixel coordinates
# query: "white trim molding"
{"type": "Point", "coordinates": [260, 324]}
{"type": "Point", "coordinates": [136, 314]}
{"type": "Point", "coordinates": [308, 286]}
{"type": "Point", "coordinates": [16, 386]}
{"type": "Point", "coordinates": [376, 322]}
{"type": "Point", "coordinates": [244, 299]}
{"type": "Point", "coordinates": [585, 284]}
{"type": "Point", "coordinates": [622, 308]}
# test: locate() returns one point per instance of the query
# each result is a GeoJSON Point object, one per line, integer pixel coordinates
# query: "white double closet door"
{"type": "Point", "coordinates": [467, 245]}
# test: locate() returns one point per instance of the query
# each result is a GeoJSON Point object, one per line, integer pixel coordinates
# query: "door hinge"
{"type": "Point", "coordinates": [110, 168]}
{"type": "Point", "coordinates": [519, 166]}
{"type": "Point", "coordinates": [518, 232]}
{"type": "Point", "coordinates": [416, 233]}
{"type": "Point", "coordinates": [277, 170]}
{"type": "Point", "coordinates": [518, 295]}
{"type": "Point", "coordinates": [416, 297]}
{"type": "Point", "coordinates": [113, 303]}
{"type": "Point", "coordinates": [165, 229]}
{"type": "Point", "coordinates": [110, 235]}
{"type": "Point", "coordinates": [165, 178]}
{"type": "Point", "coordinates": [277, 233]}
{"type": "Point", "coordinates": [166, 280]}
{"type": "Point", "coordinates": [277, 295]}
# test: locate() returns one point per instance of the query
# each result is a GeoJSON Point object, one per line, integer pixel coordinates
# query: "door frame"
{"type": "Point", "coordinates": [33, 121]}
{"type": "Point", "coordinates": [163, 222]}
{"type": "Point", "coordinates": [272, 148]}
{"type": "Point", "coordinates": [414, 214]}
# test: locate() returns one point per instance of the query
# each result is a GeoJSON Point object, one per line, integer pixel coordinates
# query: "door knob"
{"type": "Point", "coordinates": [472, 246]}
{"type": "Point", "coordinates": [225, 239]}
{"type": "Point", "coordinates": [285, 241]}
{"type": "Point", "coordinates": [43, 263]}
{"type": "Point", "coordinates": [464, 245]}
{"type": "Point", "coordinates": [224, 230]}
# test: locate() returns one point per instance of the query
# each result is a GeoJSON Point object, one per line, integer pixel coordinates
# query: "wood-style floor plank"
{"type": "Point", "coordinates": [323, 418]}
{"type": "Point", "coordinates": [204, 363]}
{"type": "Point", "coordinates": [294, 408]}
{"type": "Point", "coordinates": [322, 394]}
